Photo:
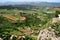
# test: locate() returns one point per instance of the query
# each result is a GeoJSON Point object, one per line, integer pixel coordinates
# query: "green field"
{"type": "Point", "coordinates": [12, 22]}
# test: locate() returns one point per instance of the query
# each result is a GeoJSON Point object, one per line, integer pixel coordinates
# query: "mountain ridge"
{"type": "Point", "coordinates": [31, 3]}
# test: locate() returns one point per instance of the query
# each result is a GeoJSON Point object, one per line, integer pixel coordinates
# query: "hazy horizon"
{"type": "Point", "coordinates": [2, 1]}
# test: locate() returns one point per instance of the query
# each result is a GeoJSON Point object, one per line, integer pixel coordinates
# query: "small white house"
{"type": "Point", "coordinates": [59, 15]}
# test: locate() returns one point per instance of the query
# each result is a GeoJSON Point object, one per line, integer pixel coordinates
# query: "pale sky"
{"type": "Point", "coordinates": [29, 0]}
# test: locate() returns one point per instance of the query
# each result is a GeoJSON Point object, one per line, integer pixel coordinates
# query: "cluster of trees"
{"type": "Point", "coordinates": [7, 26]}
{"type": "Point", "coordinates": [21, 7]}
{"type": "Point", "coordinates": [35, 19]}
{"type": "Point", "coordinates": [56, 27]}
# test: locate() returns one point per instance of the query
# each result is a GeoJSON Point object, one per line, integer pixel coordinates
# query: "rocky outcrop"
{"type": "Point", "coordinates": [47, 34]}
{"type": "Point", "coordinates": [54, 20]}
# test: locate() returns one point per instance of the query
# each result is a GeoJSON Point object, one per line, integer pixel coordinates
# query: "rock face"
{"type": "Point", "coordinates": [1, 39]}
{"type": "Point", "coordinates": [46, 34]}
{"type": "Point", "coordinates": [54, 20]}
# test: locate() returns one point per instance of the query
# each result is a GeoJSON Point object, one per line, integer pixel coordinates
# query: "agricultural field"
{"type": "Point", "coordinates": [27, 22]}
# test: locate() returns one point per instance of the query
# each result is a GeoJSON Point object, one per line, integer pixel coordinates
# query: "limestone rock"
{"type": "Point", "coordinates": [46, 34]}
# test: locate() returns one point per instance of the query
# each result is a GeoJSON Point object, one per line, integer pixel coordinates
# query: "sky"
{"type": "Point", "coordinates": [29, 1]}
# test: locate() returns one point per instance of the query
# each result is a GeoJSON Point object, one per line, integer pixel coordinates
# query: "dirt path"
{"type": "Point", "coordinates": [9, 16]}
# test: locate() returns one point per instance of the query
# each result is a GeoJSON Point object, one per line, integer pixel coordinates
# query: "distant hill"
{"type": "Point", "coordinates": [26, 5]}
{"type": "Point", "coordinates": [31, 3]}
